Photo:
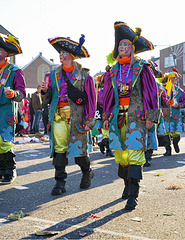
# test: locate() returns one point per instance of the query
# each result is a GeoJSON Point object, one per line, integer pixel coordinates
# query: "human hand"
{"type": "Point", "coordinates": [106, 124]}
{"type": "Point", "coordinates": [86, 127]}
{"type": "Point", "coordinates": [9, 93]}
{"type": "Point", "coordinates": [149, 124]}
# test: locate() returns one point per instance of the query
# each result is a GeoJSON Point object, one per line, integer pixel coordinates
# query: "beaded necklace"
{"type": "Point", "coordinates": [124, 87]}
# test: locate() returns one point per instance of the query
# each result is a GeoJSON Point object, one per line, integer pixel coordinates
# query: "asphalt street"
{"type": "Point", "coordinates": [98, 212]}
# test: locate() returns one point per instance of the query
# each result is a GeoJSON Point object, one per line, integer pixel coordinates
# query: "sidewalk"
{"type": "Point", "coordinates": [96, 213]}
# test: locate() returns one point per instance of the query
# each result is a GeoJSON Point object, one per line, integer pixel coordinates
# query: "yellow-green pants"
{"type": "Point", "coordinates": [5, 146]}
{"type": "Point", "coordinates": [105, 133]}
{"type": "Point", "coordinates": [61, 128]}
{"type": "Point", "coordinates": [129, 157]}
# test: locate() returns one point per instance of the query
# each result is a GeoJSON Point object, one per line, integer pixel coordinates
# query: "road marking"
{"type": "Point", "coordinates": [98, 230]}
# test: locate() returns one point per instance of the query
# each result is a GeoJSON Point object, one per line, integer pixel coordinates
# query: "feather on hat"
{"type": "Point", "coordinates": [10, 44]}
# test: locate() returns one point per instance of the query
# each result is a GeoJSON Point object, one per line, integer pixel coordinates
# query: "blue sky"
{"type": "Point", "coordinates": [34, 21]}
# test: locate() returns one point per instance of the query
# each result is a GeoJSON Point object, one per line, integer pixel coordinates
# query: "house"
{"type": "Point", "coordinates": [174, 56]}
{"type": "Point", "coordinates": [35, 71]}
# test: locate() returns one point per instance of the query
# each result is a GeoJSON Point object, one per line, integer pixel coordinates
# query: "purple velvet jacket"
{"type": "Point", "coordinates": [89, 89]}
{"type": "Point", "coordinates": [147, 80]}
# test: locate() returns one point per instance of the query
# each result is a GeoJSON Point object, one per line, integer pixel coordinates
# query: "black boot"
{"type": "Point", "coordinates": [102, 146]}
{"type": "Point", "coordinates": [148, 157]}
{"type": "Point", "coordinates": [168, 151]}
{"type": "Point", "coordinates": [2, 165]}
{"type": "Point", "coordinates": [84, 164]}
{"type": "Point", "coordinates": [2, 174]}
{"type": "Point", "coordinates": [175, 144]}
{"type": "Point", "coordinates": [59, 188]}
{"type": "Point", "coordinates": [9, 168]}
{"type": "Point", "coordinates": [133, 194]}
{"type": "Point", "coordinates": [86, 179]}
{"type": "Point", "coordinates": [134, 175]}
{"type": "Point", "coordinates": [9, 176]}
{"type": "Point", "coordinates": [123, 173]}
{"type": "Point", "coordinates": [108, 150]}
{"type": "Point", "coordinates": [60, 161]}
{"type": "Point", "coordinates": [109, 153]}
{"type": "Point", "coordinates": [125, 190]}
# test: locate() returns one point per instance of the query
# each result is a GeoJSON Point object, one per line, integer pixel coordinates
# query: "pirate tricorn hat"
{"type": "Point", "coordinates": [123, 31]}
{"type": "Point", "coordinates": [10, 44]}
{"type": "Point", "coordinates": [66, 44]}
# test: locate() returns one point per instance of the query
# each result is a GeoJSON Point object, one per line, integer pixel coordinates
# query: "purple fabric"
{"type": "Point", "coordinates": [148, 84]}
{"type": "Point", "coordinates": [164, 99]}
{"type": "Point", "coordinates": [100, 97]}
{"type": "Point", "coordinates": [63, 87]}
{"type": "Point", "coordinates": [149, 89]}
{"type": "Point", "coordinates": [90, 105]}
{"type": "Point", "coordinates": [19, 82]}
{"type": "Point", "coordinates": [182, 99]}
{"type": "Point", "coordinates": [108, 95]}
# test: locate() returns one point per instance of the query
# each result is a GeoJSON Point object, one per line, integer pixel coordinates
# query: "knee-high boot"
{"type": "Point", "coordinates": [60, 161]}
{"type": "Point", "coordinates": [9, 168]}
{"type": "Point", "coordinates": [2, 166]}
{"type": "Point", "coordinates": [167, 144]}
{"type": "Point", "coordinates": [108, 150]}
{"type": "Point", "coordinates": [123, 173]}
{"type": "Point", "coordinates": [175, 144]}
{"type": "Point", "coordinates": [148, 157]}
{"type": "Point", "coordinates": [102, 146]}
{"type": "Point", "coordinates": [134, 176]}
{"type": "Point", "coordinates": [84, 163]}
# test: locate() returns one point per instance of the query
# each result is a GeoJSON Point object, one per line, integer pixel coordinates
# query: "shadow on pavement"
{"type": "Point", "coordinates": [87, 229]}
{"type": "Point", "coordinates": [39, 192]}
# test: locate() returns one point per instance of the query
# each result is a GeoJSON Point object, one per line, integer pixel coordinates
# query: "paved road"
{"type": "Point", "coordinates": [96, 213]}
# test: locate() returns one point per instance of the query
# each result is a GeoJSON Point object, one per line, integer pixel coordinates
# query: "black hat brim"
{"type": "Point", "coordinates": [70, 46]}
{"type": "Point", "coordinates": [123, 31]}
{"type": "Point", "coordinates": [10, 47]}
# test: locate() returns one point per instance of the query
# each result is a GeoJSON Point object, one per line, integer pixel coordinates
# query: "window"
{"type": "Point", "coordinates": [41, 72]}
{"type": "Point", "coordinates": [183, 61]}
{"type": "Point", "coordinates": [169, 62]}
{"type": "Point", "coordinates": [183, 79]}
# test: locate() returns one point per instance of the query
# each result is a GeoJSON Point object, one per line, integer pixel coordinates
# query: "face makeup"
{"type": "Point", "coordinates": [65, 56]}
{"type": "Point", "coordinates": [124, 48]}
{"type": "Point", "coordinates": [3, 53]}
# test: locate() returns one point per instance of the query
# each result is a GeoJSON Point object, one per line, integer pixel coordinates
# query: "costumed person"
{"type": "Point", "coordinates": [130, 107]}
{"type": "Point", "coordinates": [157, 131]}
{"type": "Point", "coordinates": [172, 115]}
{"type": "Point", "coordinates": [26, 116]}
{"type": "Point", "coordinates": [72, 99]}
{"type": "Point", "coordinates": [104, 144]}
{"type": "Point", "coordinates": [12, 91]}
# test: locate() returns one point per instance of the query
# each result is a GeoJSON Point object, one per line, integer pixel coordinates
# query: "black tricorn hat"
{"type": "Point", "coordinates": [123, 31]}
{"type": "Point", "coordinates": [10, 44]}
{"type": "Point", "coordinates": [68, 45]}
